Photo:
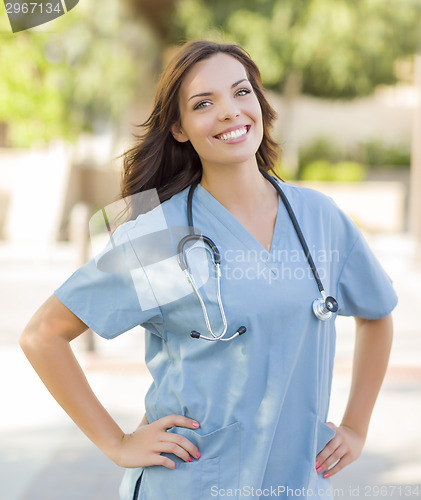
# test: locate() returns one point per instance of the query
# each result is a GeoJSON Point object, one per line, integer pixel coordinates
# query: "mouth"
{"type": "Point", "coordinates": [233, 134]}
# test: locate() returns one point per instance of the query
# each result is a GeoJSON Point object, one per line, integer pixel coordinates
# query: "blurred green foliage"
{"type": "Point", "coordinates": [320, 148]}
{"type": "Point", "coordinates": [324, 170]}
{"type": "Point", "coordinates": [373, 154]}
{"type": "Point", "coordinates": [284, 172]}
{"type": "Point", "coordinates": [85, 70]}
{"type": "Point", "coordinates": [377, 154]}
{"type": "Point", "coordinates": [75, 78]}
{"type": "Point", "coordinates": [336, 48]}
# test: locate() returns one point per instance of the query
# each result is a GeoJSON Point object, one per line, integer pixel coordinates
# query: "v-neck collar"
{"type": "Point", "coordinates": [235, 226]}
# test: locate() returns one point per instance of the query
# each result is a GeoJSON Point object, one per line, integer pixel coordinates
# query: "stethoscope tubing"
{"type": "Point", "coordinates": [297, 229]}
{"type": "Point", "coordinates": [323, 308]}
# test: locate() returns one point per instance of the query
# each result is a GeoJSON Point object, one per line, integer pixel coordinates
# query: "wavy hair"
{"type": "Point", "coordinates": [161, 162]}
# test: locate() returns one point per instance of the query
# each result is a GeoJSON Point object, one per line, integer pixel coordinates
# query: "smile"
{"type": "Point", "coordinates": [233, 134]}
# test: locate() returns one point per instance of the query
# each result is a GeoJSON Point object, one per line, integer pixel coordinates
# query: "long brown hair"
{"type": "Point", "coordinates": [161, 162]}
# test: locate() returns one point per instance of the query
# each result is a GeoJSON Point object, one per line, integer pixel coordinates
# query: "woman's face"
{"type": "Point", "coordinates": [220, 113]}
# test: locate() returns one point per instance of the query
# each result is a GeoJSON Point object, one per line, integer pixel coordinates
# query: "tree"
{"type": "Point", "coordinates": [158, 14]}
{"type": "Point", "coordinates": [75, 78]}
{"type": "Point", "coordinates": [335, 48]}
{"type": "Point", "coordinates": [325, 48]}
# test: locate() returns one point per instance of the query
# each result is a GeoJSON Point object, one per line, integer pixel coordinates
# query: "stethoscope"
{"type": "Point", "coordinates": [323, 307]}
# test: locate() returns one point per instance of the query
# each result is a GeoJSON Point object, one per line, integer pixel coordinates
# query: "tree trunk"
{"type": "Point", "coordinates": [415, 181]}
{"type": "Point", "coordinates": [3, 135]}
{"type": "Point", "coordinates": [291, 91]}
{"type": "Point", "coordinates": [158, 14]}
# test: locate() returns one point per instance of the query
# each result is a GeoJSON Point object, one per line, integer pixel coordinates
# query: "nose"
{"type": "Point", "coordinates": [228, 110]}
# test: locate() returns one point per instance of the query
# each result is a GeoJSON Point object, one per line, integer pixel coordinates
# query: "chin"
{"type": "Point", "coordinates": [242, 158]}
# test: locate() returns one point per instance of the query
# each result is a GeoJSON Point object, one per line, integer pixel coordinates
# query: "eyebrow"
{"type": "Point", "coordinates": [205, 94]}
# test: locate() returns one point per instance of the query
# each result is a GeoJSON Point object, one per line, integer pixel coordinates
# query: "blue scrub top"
{"type": "Point", "coordinates": [261, 399]}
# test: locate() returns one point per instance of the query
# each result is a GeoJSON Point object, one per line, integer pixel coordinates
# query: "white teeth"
{"type": "Point", "coordinates": [233, 134]}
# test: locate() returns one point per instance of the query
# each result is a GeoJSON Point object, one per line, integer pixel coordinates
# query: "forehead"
{"type": "Point", "coordinates": [218, 71]}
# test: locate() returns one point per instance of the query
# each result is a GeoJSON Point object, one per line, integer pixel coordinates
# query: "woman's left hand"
{"type": "Point", "coordinates": [346, 446]}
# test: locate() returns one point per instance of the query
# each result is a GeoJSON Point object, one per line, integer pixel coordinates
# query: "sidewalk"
{"type": "Point", "coordinates": [44, 456]}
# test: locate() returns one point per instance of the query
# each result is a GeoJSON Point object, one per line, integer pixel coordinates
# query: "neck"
{"type": "Point", "coordinates": [239, 187]}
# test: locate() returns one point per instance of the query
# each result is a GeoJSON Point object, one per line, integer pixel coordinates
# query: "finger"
{"type": "Point", "coordinates": [176, 420]}
{"type": "Point", "coordinates": [328, 450]}
{"type": "Point", "coordinates": [334, 457]}
{"type": "Point", "coordinates": [343, 462]}
{"type": "Point", "coordinates": [154, 458]}
{"type": "Point", "coordinates": [183, 442]}
{"type": "Point", "coordinates": [168, 447]}
{"type": "Point", "coordinates": [165, 461]}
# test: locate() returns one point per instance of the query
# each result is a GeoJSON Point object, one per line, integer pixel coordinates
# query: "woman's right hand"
{"type": "Point", "coordinates": [144, 446]}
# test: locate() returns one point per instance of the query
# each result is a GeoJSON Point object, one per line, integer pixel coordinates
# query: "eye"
{"type": "Point", "coordinates": [201, 105]}
{"type": "Point", "coordinates": [243, 92]}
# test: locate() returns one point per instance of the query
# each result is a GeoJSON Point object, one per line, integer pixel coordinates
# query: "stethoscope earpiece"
{"type": "Point", "coordinates": [196, 335]}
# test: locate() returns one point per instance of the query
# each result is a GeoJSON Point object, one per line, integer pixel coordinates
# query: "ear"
{"type": "Point", "coordinates": [178, 133]}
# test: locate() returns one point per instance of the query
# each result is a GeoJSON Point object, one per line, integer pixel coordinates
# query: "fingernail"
{"type": "Point", "coordinates": [195, 424]}
{"type": "Point", "coordinates": [198, 454]}
{"type": "Point", "coordinates": [190, 459]}
{"type": "Point", "coordinates": [317, 464]}
{"type": "Point", "coordinates": [175, 466]}
{"type": "Point", "coordinates": [318, 470]}
{"type": "Point", "coordinates": [326, 475]}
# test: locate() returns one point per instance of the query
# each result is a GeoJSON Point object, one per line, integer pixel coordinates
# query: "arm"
{"type": "Point", "coordinates": [373, 343]}
{"type": "Point", "coordinates": [46, 343]}
{"type": "Point", "coordinates": [144, 420]}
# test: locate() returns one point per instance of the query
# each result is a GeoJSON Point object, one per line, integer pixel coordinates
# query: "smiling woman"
{"type": "Point", "coordinates": [225, 413]}
{"type": "Point", "coordinates": [226, 128]}
{"type": "Point", "coordinates": [166, 159]}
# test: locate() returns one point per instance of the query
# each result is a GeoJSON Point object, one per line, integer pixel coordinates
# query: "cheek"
{"type": "Point", "coordinates": [257, 113]}
{"type": "Point", "coordinates": [259, 125]}
{"type": "Point", "coordinates": [202, 130]}
{"type": "Point", "coordinates": [195, 126]}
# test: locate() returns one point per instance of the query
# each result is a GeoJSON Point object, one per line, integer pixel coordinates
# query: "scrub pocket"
{"type": "Point", "coordinates": [324, 434]}
{"type": "Point", "coordinates": [316, 482]}
{"type": "Point", "coordinates": [217, 468]}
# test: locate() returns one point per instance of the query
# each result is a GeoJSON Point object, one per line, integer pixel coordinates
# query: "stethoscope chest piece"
{"type": "Point", "coordinates": [324, 307]}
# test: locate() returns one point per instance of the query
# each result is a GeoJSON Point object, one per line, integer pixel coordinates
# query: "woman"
{"type": "Point", "coordinates": [223, 418]}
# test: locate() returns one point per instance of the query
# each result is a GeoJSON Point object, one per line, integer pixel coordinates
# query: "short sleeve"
{"type": "Point", "coordinates": [364, 289]}
{"type": "Point", "coordinates": [111, 303]}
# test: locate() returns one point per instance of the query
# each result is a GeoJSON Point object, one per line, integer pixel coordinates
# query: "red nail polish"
{"type": "Point", "coordinates": [198, 454]}
{"type": "Point", "coordinates": [318, 470]}
{"type": "Point", "coordinates": [195, 424]}
{"type": "Point", "coordinates": [326, 475]}
{"type": "Point", "coordinates": [190, 459]}
{"type": "Point", "coordinates": [317, 464]}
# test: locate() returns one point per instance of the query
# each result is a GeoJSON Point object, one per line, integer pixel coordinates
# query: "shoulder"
{"type": "Point", "coordinates": [305, 197]}
{"type": "Point", "coordinates": [177, 203]}
{"type": "Point", "coordinates": [319, 212]}
{"type": "Point", "coordinates": [171, 212]}
{"type": "Point", "coordinates": [143, 235]}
